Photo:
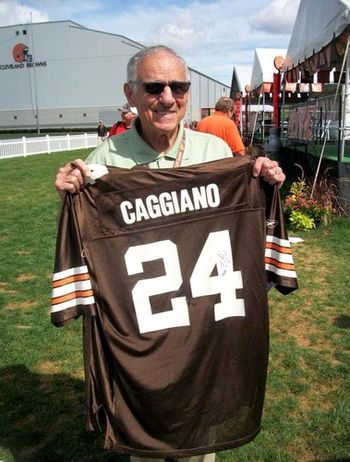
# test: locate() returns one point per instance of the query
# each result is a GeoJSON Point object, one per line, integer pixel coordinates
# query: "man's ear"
{"type": "Point", "coordinates": [129, 93]}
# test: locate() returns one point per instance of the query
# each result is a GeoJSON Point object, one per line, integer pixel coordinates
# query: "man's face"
{"type": "Point", "coordinates": [159, 113]}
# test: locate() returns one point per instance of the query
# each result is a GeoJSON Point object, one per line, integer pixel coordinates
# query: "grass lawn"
{"type": "Point", "coordinates": [307, 407]}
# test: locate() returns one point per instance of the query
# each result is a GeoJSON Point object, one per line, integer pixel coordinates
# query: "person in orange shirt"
{"type": "Point", "coordinates": [221, 124]}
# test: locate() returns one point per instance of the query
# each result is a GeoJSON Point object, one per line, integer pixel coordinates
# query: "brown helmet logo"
{"type": "Point", "coordinates": [20, 53]}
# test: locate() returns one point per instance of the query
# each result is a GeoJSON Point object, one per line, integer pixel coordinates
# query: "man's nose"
{"type": "Point", "coordinates": [167, 96]}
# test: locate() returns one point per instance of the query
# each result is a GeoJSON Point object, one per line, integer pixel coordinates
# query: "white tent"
{"type": "Point", "coordinates": [263, 67]}
{"type": "Point", "coordinates": [244, 73]}
{"type": "Point", "coordinates": [320, 43]}
{"type": "Point", "coordinates": [317, 24]}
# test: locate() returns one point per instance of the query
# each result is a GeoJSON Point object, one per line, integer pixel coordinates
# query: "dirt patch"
{"type": "Point", "coordinates": [4, 289]}
{"type": "Point", "coordinates": [19, 305]}
{"type": "Point", "coordinates": [318, 402]}
{"type": "Point", "coordinates": [25, 277]}
{"type": "Point", "coordinates": [48, 367]}
{"type": "Point", "coordinates": [23, 252]}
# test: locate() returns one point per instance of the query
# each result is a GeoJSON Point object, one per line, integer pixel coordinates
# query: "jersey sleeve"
{"type": "Point", "coordinates": [72, 293]}
{"type": "Point", "coordinates": [279, 262]}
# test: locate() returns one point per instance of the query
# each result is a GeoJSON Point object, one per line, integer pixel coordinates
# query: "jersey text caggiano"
{"type": "Point", "coordinates": [170, 203]}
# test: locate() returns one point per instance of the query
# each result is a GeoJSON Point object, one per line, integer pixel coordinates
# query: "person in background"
{"type": "Point", "coordinates": [128, 114]}
{"type": "Point", "coordinates": [101, 131]}
{"type": "Point", "coordinates": [158, 86]}
{"type": "Point", "coordinates": [221, 124]}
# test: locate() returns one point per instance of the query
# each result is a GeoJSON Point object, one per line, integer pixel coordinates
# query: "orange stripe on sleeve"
{"type": "Point", "coordinates": [71, 296]}
{"type": "Point", "coordinates": [279, 264]}
{"type": "Point", "coordinates": [278, 248]}
{"type": "Point", "coordinates": [70, 279]}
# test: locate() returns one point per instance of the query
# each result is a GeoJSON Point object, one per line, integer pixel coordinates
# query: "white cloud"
{"type": "Point", "coordinates": [277, 17]}
{"type": "Point", "coordinates": [212, 35]}
{"type": "Point", "coordinates": [12, 12]}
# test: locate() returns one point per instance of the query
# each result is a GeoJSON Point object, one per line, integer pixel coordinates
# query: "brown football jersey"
{"type": "Point", "coordinates": [169, 269]}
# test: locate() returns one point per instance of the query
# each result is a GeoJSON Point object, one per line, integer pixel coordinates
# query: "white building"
{"type": "Point", "coordinates": [61, 74]}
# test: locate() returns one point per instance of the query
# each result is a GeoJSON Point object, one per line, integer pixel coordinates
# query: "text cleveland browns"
{"type": "Point", "coordinates": [170, 203]}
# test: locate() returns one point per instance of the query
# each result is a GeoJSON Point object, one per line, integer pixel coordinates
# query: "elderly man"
{"type": "Point", "coordinates": [158, 86]}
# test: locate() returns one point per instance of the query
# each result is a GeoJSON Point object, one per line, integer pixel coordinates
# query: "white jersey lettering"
{"type": "Point", "coordinates": [170, 203]}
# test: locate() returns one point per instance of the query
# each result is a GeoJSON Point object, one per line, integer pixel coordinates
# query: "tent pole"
{"type": "Point", "coordinates": [255, 119]}
{"type": "Point", "coordinates": [345, 104]}
{"type": "Point", "coordinates": [282, 112]}
{"type": "Point", "coordinates": [263, 118]}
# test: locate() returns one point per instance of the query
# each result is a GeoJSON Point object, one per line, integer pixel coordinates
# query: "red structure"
{"type": "Point", "coordinates": [275, 99]}
{"type": "Point", "coordinates": [238, 104]}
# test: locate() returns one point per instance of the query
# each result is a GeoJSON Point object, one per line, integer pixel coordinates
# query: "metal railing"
{"type": "Point", "coordinates": [22, 147]}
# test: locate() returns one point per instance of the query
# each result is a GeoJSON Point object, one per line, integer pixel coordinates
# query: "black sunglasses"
{"type": "Point", "coordinates": [176, 86]}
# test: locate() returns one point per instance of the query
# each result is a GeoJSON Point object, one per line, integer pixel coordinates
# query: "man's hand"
{"type": "Point", "coordinates": [269, 170]}
{"type": "Point", "coordinates": [70, 177]}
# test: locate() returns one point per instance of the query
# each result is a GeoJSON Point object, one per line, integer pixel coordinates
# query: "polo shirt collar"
{"type": "Point", "coordinates": [143, 153]}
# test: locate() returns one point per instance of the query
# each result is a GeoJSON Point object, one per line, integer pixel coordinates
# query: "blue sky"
{"type": "Point", "coordinates": [212, 35]}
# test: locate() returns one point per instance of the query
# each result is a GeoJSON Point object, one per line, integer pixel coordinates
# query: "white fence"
{"type": "Point", "coordinates": [50, 143]}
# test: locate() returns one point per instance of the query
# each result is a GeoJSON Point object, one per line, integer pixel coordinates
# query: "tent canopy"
{"type": "Point", "coordinates": [317, 24]}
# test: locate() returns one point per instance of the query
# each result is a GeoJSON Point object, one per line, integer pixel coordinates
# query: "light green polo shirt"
{"type": "Point", "coordinates": [129, 149]}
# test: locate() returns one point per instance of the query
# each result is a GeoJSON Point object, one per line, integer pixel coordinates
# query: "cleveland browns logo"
{"type": "Point", "coordinates": [20, 53]}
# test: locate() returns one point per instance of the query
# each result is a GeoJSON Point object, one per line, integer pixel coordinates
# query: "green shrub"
{"type": "Point", "coordinates": [307, 205]}
{"type": "Point", "coordinates": [301, 221]}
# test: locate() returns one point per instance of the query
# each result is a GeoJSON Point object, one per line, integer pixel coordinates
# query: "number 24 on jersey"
{"type": "Point", "coordinates": [216, 253]}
